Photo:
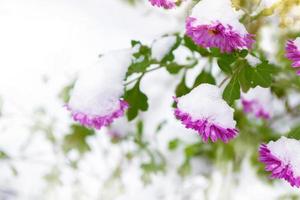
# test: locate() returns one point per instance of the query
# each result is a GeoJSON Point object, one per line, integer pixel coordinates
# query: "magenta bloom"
{"type": "Point", "coordinates": [280, 158]}
{"type": "Point", "coordinates": [204, 111]}
{"type": "Point", "coordinates": [253, 106]}
{"type": "Point", "coordinates": [217, 35]}
{"type": "Point", "coordinates": [97, 121]}
{"type": "Point", "coordinates": [167, 4]}
{"type": "Point", "coordinates": [293, 52]}
{"type": "Point", "coordinates": [206, 129]}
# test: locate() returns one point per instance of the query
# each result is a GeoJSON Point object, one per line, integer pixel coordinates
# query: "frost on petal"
{"type": "Point", "coordinates": [95, 100]}
{"type": "Point", "coordinates": [161, 47]}
{"type": "Point", "coordinates": [258, 101]}
{"type": "Point", "coordinates": [167, 4]}
{"type": "Point", "coordinates": [282, 159]}
{"type": "Point", "coordinates": [293, 52]}
{"type": "Point", "coordinates": [204, 110]}
{"type": "Point", "coordinates": [216, 24]}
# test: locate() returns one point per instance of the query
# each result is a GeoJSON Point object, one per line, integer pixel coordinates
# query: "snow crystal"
{"type": "Point", "coordinates": [162, 46]}
{"type": "Point", "coordinates": [288, 151]}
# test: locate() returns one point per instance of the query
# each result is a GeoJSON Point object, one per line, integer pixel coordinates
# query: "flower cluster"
{"type": "Point", "coordinates": [96, 99]}
{"type": "Point", "coordinates": [204, 111]}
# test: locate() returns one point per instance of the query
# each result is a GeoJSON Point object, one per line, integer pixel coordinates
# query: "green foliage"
{"type": "Point", "coordinates": [204, 77]}
{"type": "Point", "coordinates": [232, 91]}
{"type": "Point", "coordinates": [182, 88]}
{"type": "Point", "coordinates": [295, 133]}
{"type": "Point", "coordinates": [137, 100]}
{"type": "Point", "coordinates": [173, 144]}
{"type": "Point", "coordinates": [77, 139]}
{"type": "Point", "coordinates": [261, 75]}
{"type": "Point", "coordinates": [141, 59]}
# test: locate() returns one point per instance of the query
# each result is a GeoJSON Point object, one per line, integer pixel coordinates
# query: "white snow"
{"type": "Point", "coordinates": [288, 151]}
{"type": "Point", "coordinates": [252, 60]}
{"type": "Point", "coordinates": [205, 102]}
{"type": "Point", "coordinates": [161, 47]}
{"type": "Point", "coordinates": [98, 88]}
{"type": "Point", "coordinates": [262, 95]}
{"type": "Point", "coordinates": [211, 11]}
{"type": "Point", "coordinates": [297, 42]}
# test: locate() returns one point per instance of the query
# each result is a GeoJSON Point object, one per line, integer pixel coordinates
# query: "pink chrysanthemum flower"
{"type": "Point", "coordinates": [96, 98]}
{"type": "Point", "coordinates": [167, 4]}
{"type": "Point", "coordinates": [258, 102]}
{"type": "Point", "coordinates": [282, 159]}
{"type": "Point", "coordinates": [293, 52]}
{"type": "Point", "coordinates": [204, 111]}
{"type": "Point", "coordinates": [216, 24]}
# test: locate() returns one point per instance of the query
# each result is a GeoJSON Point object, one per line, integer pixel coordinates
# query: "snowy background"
{"type": "Point", "coordinates": [43, 45]}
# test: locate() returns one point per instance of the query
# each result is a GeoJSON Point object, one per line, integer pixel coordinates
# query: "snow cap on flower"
{"type": "Point", "coordinates": [161, 47]}
{"type": "Point", "coordinates": [282, 159]}
{"type": "Point", "coordinates": [293, 52]}
{"type": "Point", "coordinates": [167, 4]}
{"type": "Point", "coordinates": [258, 102]}
{"type": "Point", "coordinates": [204, 111]}
{"type": "Point", "coordinates": [95, 100]}
{"type": "Point", "coordinates": [216, 24]}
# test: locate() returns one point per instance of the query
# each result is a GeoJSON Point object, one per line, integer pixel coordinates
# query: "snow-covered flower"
{"type": "Point", "coordinates": [282, 159]}
{"type": "Point", "coordinates": [258, 102]}
{"type": "Point", "coordinates": [293, 52]}
{"type": "Point", "coordinates": [167, 4]}
{"type": "Point", "coordinates": [216, 24]}
{"type": "Point", "coordinates": [204, 111]}
{"type": "Point", "coordinates": [96, 98]}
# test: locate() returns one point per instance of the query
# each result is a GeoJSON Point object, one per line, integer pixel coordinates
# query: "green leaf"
{"type": "Point", "coordinates": [245, 78]}
{"type": "Point", "coordinates": [65, 92]}
{"type": "Point", "coordinates": [3, 155]}
{"type": "Point", "coordinates": [295, 133]}
{"type": "Point", "coordinates": [173, 144]}
{"type": "Point", "coordinates": [185, 168]}
{"type": "Point", "coordinates": [225, 61]}
{"type": "Point", "coordinates": [189, 43]}
{"type": "Point", "coordinates": [181, 88]}
{"type": "Point", "coordinates": [139, 67]}
{"type": "Point", "coordinates": [141, 59]}
{"type": "Point", "coordinates": [77, 139]}
{"type": "Point", "coordinates": [173, 68]}
{"type": "Point", "coordinates": [243, 53]}
{"type": "Point", "coordinates": [232, 91]}
{"type": "Point", "coordinates": [262, 75]}
{"type": "Point", "coordinates": [204, 77]}
{"type": "Point", "coordinates": [137, 100]}
{"type": "Point", "coordinates": [215, 52]}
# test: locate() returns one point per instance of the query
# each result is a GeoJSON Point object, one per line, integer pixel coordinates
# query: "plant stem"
{"type": "Point", "coordinates": [224, 81]}
{"type": "Point", "coordinates": [141, 76]}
